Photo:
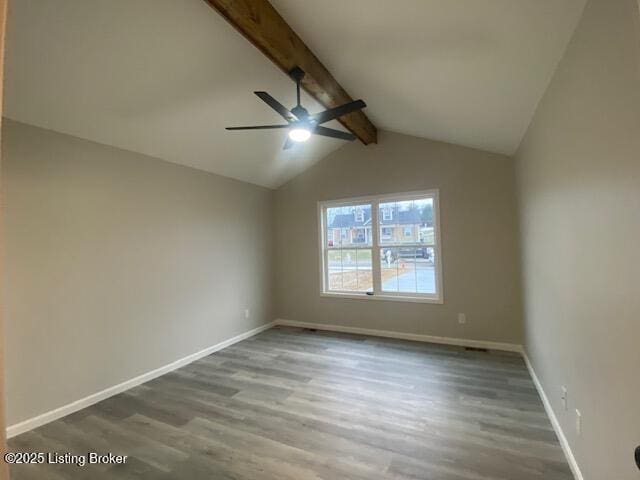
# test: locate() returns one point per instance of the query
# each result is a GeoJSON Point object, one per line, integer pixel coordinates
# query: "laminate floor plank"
{"type": "Point", "coordinates": [297, 404]}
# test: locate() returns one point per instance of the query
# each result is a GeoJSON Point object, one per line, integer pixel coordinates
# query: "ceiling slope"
{"type": "Point", "coordinates": [469, 72]}
{"type": "Point", "coordinates": [158, 77]}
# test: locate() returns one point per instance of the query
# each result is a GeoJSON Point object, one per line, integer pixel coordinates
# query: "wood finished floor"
{"type": "Point", "coordinates": [296, 404]}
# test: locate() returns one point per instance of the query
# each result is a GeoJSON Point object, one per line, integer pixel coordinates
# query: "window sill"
{"type": "Point", "coordinates": [388, 298]}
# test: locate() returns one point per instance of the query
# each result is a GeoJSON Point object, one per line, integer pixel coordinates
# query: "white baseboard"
{"type": "Point", "coordinates": [463, 342]}
{"type": "Point", "coordinates": [72, 407]}
{"type": "Point", "coordinates": [566, 448]}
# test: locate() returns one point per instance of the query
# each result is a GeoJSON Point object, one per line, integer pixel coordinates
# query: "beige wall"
{"type": "Point", "coordinates": [479, 238]}
{"type": "Point", "coordinates": [4, 467]}
{"type": "Point", "coordinates": [579, 183]}
{"type": "Point", "coordinates": [118, 263]}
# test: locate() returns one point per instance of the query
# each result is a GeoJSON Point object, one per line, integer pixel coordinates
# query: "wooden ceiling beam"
{"type": "Point", "coordinates": [260, 23]}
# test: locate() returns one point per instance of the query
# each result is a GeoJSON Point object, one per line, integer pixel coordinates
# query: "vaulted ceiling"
{"type": "Point", "coordinates": [164, 77]}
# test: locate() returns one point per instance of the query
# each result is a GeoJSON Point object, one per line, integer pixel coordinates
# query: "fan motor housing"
{"type": "Point", "coordinates": [300, 112]}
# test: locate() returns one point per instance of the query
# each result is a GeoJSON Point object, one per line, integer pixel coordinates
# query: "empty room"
{"type": "Point", "coordinates": [320, 239]}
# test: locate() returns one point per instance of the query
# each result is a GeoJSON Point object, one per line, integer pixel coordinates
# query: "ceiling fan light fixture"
{"type": "Point", "coordinates": [301, 125]}
{"type": "Point", "coordinates": [299, 134]}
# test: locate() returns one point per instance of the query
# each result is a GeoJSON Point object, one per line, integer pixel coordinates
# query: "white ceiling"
{"type": "Point", "coordinates": [469, 72]}
{"type": "Point", "coordinates": [159, 77]}
{"type": "Point", "coordinates": [164, 77]}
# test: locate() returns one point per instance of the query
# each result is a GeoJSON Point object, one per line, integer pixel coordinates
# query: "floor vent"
{"type": "Point", "coordinates": [476, 349]}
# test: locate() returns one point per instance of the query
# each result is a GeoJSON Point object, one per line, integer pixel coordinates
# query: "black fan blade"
{"type": "Point", "coordinates": [336, 112]}
{"type": "Point", "coordinates": [277, 106]}
{"type": "Point", "coordinates": [330, 132]}
{"type": "Point", "coordinates": [288, 144]}
{"type": "Point", "coordinates": [258, 127]}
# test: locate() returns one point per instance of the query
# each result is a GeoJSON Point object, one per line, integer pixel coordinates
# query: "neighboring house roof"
{"type": "Point", "coordinates": [402, 217]}
{"type": "Point", "coordinates": [346, 220]}
{"type": "Point", "coordinates": [398, 217]}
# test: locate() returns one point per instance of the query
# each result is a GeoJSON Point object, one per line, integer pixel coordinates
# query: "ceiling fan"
{"type": "Point", "coordinates": [300, 123]}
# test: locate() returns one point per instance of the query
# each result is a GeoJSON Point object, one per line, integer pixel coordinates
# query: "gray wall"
{"type": "Point", "coordinates": [579, 184]}
{"type": "Point", "coordinates": [117, 264]}
{"type": "Point", "coordinates": [479, 238]}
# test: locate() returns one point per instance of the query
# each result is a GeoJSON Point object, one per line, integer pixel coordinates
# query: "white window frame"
{"type": "Point", "coordinates": [378, 294]}
{"type": "Point", "coordinates": [359, 215]}
{"type": "Point", "coordinates": [385, 217]}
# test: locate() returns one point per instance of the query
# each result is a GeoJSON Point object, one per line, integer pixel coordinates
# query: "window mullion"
{"type": "Point", "coordinates": [375, 250]}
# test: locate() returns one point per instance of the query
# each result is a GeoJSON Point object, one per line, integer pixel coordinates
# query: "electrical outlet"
{"type": "Point", "coordinates": [462, 318]}
{"type": "Point", "coordinates": [563, 396]}
{"type": "Point", "coordinates": [246, 313]}
{"type": "Point", "coordinates": [578, 422]}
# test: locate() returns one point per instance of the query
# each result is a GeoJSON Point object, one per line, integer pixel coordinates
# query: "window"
{"type": "Point", "coordinates": [398, 261]}
{"type": "Point", "coordinates": [359, 235]}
